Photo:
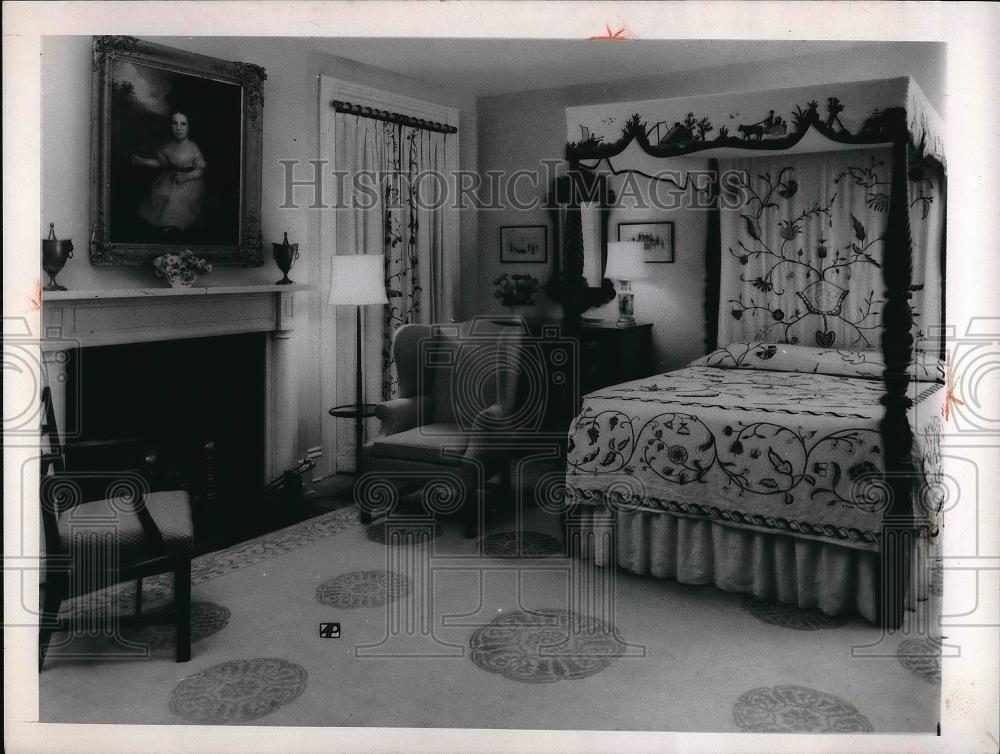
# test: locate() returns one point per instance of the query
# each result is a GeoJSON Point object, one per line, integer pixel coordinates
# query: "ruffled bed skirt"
{"type": "Point", "coordinates": [804, 572]}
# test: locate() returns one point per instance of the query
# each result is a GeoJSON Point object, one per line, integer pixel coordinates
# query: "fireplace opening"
{"type": "Point", "coordinates": [170, 397]}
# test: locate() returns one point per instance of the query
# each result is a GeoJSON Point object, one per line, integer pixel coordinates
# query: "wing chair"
{"type": "Point", "coordinates": [456, 416]}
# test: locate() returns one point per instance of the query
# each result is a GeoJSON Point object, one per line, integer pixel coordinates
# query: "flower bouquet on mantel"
{"type": "Point", "coordinates": [181, 270]}
{"type": "Point", "coordinates": [516, 290]}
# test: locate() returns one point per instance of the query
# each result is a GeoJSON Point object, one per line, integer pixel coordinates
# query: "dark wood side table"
{"type": "Point", "coordinates": [610, 355]}
{"type": "Point", "coordinates": [359, 412]}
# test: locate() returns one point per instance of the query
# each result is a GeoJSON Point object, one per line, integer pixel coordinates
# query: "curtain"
{"type": "Point", "coordinates": [413, 237]}
{"type": "Point", "coordinates": [803, 244]}
{"type": "Point", "coordinates": [801, 253]}
{"type": "Point", "coordinates": [388, 207]}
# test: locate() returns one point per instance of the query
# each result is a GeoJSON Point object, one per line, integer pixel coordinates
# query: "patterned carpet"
{"type": "Point", "coordinates": [324, 624]}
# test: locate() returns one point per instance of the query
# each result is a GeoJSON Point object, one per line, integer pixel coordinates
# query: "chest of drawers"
{"type": "Point", "coordinates": [611, 355]}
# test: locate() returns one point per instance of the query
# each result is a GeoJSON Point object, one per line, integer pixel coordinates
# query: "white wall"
{"type": "Point", "coordinates": [290, 132]}
{"type": "Point", "coordinates": [519, 131]}
{"type": "Point", "coordinates": [672, 296]}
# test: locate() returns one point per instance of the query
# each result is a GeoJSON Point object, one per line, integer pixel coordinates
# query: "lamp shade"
{"type": "Point", "coordinates": [358, 279]}
{"type": "Point", "coordinates": [625, 261]}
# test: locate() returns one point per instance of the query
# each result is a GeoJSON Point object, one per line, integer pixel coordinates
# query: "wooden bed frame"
{"type": "Point", "coordinates": [899, 523]}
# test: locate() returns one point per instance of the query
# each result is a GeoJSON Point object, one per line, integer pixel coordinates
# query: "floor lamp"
{"type": "Point", "coordinates": [358, 280]}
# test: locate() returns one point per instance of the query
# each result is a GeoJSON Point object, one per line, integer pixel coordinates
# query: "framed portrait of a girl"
{"type": "Point", "coordinates": [176, 144]}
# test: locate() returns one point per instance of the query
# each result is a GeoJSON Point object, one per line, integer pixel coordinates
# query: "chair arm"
{"type": "Point", "coordinates": [401, 414]}
{"type": "Point", "coordinates": [494, 417]}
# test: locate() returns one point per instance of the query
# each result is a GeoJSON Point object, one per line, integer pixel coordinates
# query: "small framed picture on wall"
{"type": "Point", "coordinates": [524, 243]}
{"type": "Point", "coordinates": [657, 240]}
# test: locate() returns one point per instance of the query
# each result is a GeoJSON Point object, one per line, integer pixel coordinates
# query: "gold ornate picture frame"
{"type": "Point", "coordinates": [176, 155]}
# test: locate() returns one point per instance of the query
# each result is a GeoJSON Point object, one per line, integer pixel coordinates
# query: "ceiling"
{"type": "Point", "coordinates": [486, 67]}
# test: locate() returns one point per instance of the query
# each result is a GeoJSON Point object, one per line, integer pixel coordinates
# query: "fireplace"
{"type": "Point", "coordinates": [166, 370]}
{"type": "Point", "coordinates": [170, 397]}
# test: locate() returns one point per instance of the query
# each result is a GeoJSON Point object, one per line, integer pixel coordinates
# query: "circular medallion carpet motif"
{"type": "Point", "coordinates": [363, 589]}
{"type": "Point", "coordinates": [521, 544]}
{"type": "Point", "coordinates": [408, 534]}
{"type": "Point", "coordinates": [922, 657]}
{"type": "Point", "coordinates": [238, 691]}
{"type": "Point", "coordinates": [207, 618]}
{"type": "Point", "coordinates": [791, 616]}
{"type": "Point", "coordinates": [543, 646]}
{"type": "Point", "coordinates": [796, 709]}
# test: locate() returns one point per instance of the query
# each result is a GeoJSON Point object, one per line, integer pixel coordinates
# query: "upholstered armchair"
{"type": "Point", "coordinates": [456, 414]}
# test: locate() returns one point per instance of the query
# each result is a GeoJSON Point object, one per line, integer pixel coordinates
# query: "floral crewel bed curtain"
{"type": "Point", "coordinates": [803, 239]}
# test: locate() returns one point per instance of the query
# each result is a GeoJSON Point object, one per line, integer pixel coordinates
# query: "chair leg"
{"type": "Point", "coordinates": [474, 510]}
{"type": "Point", "coordinates": [507, 480]}
{"type": "Point", "coordinates": [182, 608]}
{"type": "Point", "coordinates": [138, 595]}
{"type": "Point", "coordinates": [473, 478]}
{"type": "Point", "coordinates": [55, 591]}
{"type": "Point", "coordinates": [567, 514]}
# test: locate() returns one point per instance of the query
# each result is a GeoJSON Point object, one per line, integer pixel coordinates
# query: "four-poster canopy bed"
{"type": "Point", "coordinates": [797, 460]}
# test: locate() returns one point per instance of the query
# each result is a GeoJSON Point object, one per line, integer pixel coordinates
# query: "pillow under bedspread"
{"type": "Point", "coordinates": [783, 357]}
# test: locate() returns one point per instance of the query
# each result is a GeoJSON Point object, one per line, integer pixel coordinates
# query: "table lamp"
{"type": "Point", "coordinates": [358, 280]}
{"type": "Point", "coordinates": [625, 263]}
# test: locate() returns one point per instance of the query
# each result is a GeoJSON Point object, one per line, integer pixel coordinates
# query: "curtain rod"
{"type": "Point", "coordinates": [370, 112]}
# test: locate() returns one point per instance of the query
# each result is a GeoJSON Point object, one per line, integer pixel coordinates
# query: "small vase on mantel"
{"type": "Point", "coordinates": [181, 270]}
{"type": "Point", "coordinates": [179, 282]}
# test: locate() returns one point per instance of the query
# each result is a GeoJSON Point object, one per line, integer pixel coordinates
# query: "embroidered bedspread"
{"type": "Point", "coordinates": [795, 452]}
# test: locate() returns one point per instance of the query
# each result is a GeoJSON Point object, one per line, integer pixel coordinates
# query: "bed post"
{"type": "Point", "coordinates": [898, 524]}
{"type": "Point", "coordinates": [713, 261]}
{"type": "Point", "coordinates": [943, 350]}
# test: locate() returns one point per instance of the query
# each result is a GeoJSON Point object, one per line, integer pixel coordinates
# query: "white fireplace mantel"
{"type": "Point", "coordinates": [139, 315]}
{"type": "Point", "coordinates": [81, 319]}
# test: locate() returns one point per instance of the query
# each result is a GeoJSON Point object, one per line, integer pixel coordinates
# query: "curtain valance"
{"type": "Point", "coordinates": [860, 112]}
